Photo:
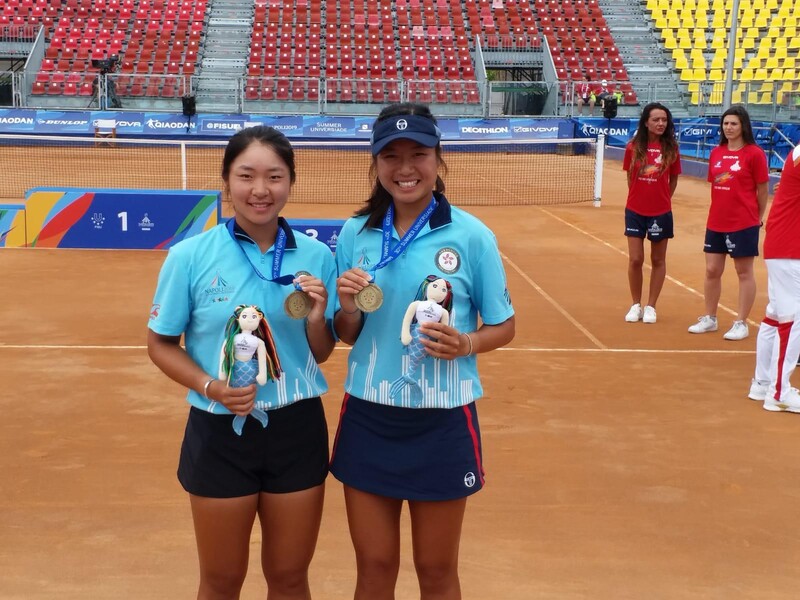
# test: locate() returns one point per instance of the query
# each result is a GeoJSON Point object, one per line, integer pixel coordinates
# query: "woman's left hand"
{"type": "Point", "coordinates": [315, 289]}
{"type": "Point", "coordinates": [442, 340]}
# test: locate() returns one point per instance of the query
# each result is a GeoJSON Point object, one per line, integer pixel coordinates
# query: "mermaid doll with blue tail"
{"type": "Point", "coordinates": [433, 304]}
{"type": "Point", "coordinates": [248, 356]}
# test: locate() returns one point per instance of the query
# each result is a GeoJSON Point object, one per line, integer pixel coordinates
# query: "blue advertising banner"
{"type": "Point", "coordinates": [63, 122]}
{"type": "Point", "coordinates": [329, 127]}
{"type": "Point", "coordinates": [535, 129]}
{"type": "Point", "coordinates": [129, 123]}
{"type": "Point", "coordinates": [221, 124]}
{"type": "Point", "coordinates": [163, 124]}
{"type": "Point", "coordinates": [324, 230]}
{"type": "Point", "coordinates": [17, 120]}
{"type": "Point", "coordinates": [484, 129]}
{"type": "Point", "coordinates": [617, 131]}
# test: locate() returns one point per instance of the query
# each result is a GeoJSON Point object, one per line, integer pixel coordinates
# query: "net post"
{"type": "Point", "coordinates": [183, 165]}
{"type": "Point", "coordinates": [598, 168]}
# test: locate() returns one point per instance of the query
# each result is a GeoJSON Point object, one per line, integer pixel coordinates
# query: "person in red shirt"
{"type": "Point", "coordinates": [583, 91]}
{"type": "Point", "coordinates": [738, 172]}
{"type": "Point", "coordinates": [653, 163]}
{"type": "Point", "coordinates": [778, 343]}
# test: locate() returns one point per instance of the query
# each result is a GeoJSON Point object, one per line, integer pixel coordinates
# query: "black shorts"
{"type": "Point", "coordinates": [289, 455]}
{"type": "Point", "coordinates": [656, 228]}
{"type": "Point", "coordinates": [739, 244]}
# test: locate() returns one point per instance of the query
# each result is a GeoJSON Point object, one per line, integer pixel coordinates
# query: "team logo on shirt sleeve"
{"type": "Point", "coordinates": [448, 260]}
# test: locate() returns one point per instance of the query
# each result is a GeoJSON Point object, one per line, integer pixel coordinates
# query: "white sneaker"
{"type": "Point", "coordinates": [634, 314]}
{"type": "Point", "coordinates": [790, 402]}
{"type": "Point", "coordinates": [758, 390]}
{"type": "Point", "coordinates": [649, 315]}
{"type": "Point", "coordinates": [704, 324]}
{"type": "Point", "coordinates": [739, 331]}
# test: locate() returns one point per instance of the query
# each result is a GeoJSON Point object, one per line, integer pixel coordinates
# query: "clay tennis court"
{"type": "Point", "coordinates": [624, 461]}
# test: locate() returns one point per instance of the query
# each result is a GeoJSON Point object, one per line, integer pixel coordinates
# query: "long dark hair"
{"type": "Point", "coordinates": [668, 141]}
{"type": "Point", "coordinates": [262, 134]}
{"type": "Point", "coordinates": [744, 118]}
{"type": "Point", "coordinates": [379, 200]}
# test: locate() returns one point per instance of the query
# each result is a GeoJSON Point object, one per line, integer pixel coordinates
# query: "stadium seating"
{"type": "Point", "coordinates": [764, 62]}
{"type": "Point", "coordinates": [158, 38]}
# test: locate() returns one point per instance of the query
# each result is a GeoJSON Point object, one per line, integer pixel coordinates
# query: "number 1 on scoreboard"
{"type": "Point", "coordinates": [123, 216]}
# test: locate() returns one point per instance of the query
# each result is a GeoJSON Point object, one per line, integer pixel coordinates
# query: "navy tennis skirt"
{"type": "Point", "coordinates": [423, 454]}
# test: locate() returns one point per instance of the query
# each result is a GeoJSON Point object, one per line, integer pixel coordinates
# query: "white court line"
{"type": "Point", "coordinates": [504, 349]}
{"type": "Point", "coordinates": [555, 304]}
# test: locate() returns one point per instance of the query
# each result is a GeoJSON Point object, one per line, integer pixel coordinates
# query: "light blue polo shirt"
{"type": "Point", "coordinates": [453, 245]}
{"type": "Point", "coordinates": [205, 277]}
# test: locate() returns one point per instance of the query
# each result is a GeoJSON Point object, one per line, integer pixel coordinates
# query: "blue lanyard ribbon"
{"type": "Point", "coordinates": [388, 254]}
{"type": "Point", "coordinates": [277, 260]}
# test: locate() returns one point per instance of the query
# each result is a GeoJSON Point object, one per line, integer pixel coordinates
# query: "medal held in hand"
{"type": "Point", "coordinates": [369, 299]}
{"type": "Point", "coordinates": [298, 304]}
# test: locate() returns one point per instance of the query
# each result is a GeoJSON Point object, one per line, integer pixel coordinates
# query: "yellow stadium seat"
{"type": "Point", "coordinates": [661, 23]}
{"type": "Point", "coordinates": [748, 43]}
{"type": "Point", "coordinates": [765, 98]}
{"type": "Point", "coordinates": [681, 63]}
{"type": "Point", "coordinates": [673, 21]}
{"type": "Point", "coordinates": [746, 22]}
{"type": "Point", "coordinates": [780, 42]}
{"type": "Point", "coordinates": [767, 86]}
{"type": "Point", "coordinates": [699, 62]}
{"type": "Point", "coordinates": [736, 97]}
{"type": "Point", "coordinates": [718, 62]}
{"type": "Point", "coordinates": [670, 43]}
{"type": "Point", "coordinates": [794, 43]}
{"type": "Point", "coordinates": [685, 43]}
{"type": "Point", "coordinates": [652, 5]}
{"type": "Point", "coordinates": [718, 20]}
{"type": "Point", "coordinates": [717, 94]}
{"type": "Point", "coordinates": [752, 97]}
{"type": "Point", "coordinates": [762, 20]}
{"type": "Point", "coordinates": [667, 33]}
{"type": "Point", "coordinates": [746, 74]}
{"type": "Point", "coordinates": [776, 74]}
{"type": "Point", "coordinates": [789, 74]}
{"type": "Point", "coordinates": [676, 5]}
{"type": "Point", "coordinates": [694, 86]}
{"type": "Point", "coordinates": [780, 53]}
{"type": "Point", "coordinates": [695, 98]}
{"type": "Point", "coordinates": [760, 74]}
{"type": "Point", "coordinates": [690, 5]}
{"type": "Point", "coordinates": [772, 62]}
{"type": "Point", "coordinates": [715, 75]}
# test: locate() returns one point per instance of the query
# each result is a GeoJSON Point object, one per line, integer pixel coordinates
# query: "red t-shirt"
{"type": "Point", "coordinates": [648, 194]}
{"type": "Point", "coordinates": [783, 225]}
{"type": "Point", "coordinates": [734, 177]}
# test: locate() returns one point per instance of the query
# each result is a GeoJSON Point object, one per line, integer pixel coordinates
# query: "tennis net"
{"type": "Point", "coordinates": [485, 173]}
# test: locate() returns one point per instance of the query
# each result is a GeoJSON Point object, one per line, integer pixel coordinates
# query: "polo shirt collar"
{"type": "Point", "coordinates": [441, 214]}
{"type": "Point", "coordinates": [241, 235]}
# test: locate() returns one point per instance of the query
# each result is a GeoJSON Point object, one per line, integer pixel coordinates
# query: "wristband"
{"type": "Point", "coordinates": [205, 388]}
{"type": "Point", "coordinates": [469, 339]}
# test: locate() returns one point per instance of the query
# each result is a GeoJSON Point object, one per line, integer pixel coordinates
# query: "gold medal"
{"type": "Point", "coordinates": [297, 305]}
{"type": "Point", "coordinates": [369, 299]}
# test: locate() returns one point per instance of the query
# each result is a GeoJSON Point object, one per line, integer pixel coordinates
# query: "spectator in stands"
{"type": "Point", "coordinates": [653, 163]}
{"type": "Point", "coordinates": [388, 451]}
{"type": "Point", "coordinates": [273, 467]}
{"type": "Point", "coordinates": [778, 343]}
{"type": "Point", "coordinates": [583, 91]}
{"type": "Point", "coordinates": [737, 170]}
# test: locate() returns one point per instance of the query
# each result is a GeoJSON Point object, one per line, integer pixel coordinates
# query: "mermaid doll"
{"type": "Point", "coordinates": [248, 356]}
{"type": "Point", "coordinates": [433, 304]}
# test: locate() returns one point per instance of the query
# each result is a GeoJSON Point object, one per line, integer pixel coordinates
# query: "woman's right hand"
{"type": "Point", "coordinates": [348, 284]}
{"type": "Point", "coordinates": [238, 400]}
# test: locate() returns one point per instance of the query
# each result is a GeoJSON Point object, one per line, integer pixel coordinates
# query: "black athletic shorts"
{"type": "Point", "coordinates": [289, 455]}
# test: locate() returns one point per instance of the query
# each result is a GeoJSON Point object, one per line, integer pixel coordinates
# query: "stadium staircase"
{"type": "Point", "coordinates": [227, 47]}
{"type": "Point", "coordinates": [649, 69]}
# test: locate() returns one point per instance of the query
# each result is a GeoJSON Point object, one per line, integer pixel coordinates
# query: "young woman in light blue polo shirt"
{"type": "Point", "coordinates": [256, 445]}
{"type": "Point", "coordinates": [409, 429]}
